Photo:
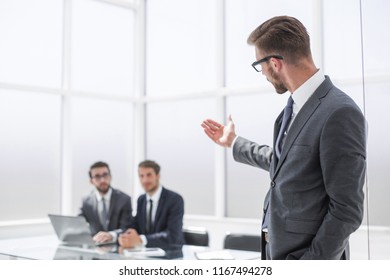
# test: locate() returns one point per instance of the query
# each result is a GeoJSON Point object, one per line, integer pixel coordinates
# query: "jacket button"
{"type": "Point", "coordinates": [273, 184]}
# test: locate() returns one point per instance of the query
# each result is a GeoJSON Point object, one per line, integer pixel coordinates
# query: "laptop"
{"type": "Point", "coordinates": [73, 230]}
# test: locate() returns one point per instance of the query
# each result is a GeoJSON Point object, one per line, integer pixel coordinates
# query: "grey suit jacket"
{"type": "Point", "coordinates": [120, 212]}
{"type": "Point", "coordinates": [316, 195]}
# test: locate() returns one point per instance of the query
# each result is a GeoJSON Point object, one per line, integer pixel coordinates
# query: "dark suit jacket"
{"type": "Point", "coordinates": [316, 192]}
{"type": "Point", "coordinates": [168, 223]}
{"type": "Point", "coordinates": [120, 212]}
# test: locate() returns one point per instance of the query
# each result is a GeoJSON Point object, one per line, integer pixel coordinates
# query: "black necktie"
{"type": "Point", "coordinates": [149, 217]}
{"type": "Point", "coordinates": [283, 128]}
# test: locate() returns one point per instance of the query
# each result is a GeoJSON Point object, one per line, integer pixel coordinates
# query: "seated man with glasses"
{"type": "Point", "coordinates": [107, 210]}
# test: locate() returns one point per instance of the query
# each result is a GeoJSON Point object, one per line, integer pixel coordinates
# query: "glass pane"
{"type": "Point", "coordinates": [254, 117]}
{"type": "Point", "coordinates": [31, 42]}
{"type": "Point", "coordinates": [377, 105]}
{"type": "Point", "coordinates": [376, 42]}
{"type": "Point", "coordinates": [377, 70]}
{"type": "Point", "coordinates": [102, 48]}
{"type": "Point", "coordinates": [30, 153]}
{"type": "Point", "coordinates": [242, 17]}
{"type": "Point", "coordinates": [101, 131]}
{"type": "Point", "coordinates": [378, 101]}
{"type": "Point", "coordinates": [342, 40]}
{"type": "Point", "coordinates": [177, 142]}
{"type": "Point", "coordinates": [181, 48]}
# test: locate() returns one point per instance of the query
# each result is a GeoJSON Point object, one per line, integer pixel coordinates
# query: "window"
{"type": "Point", "coordinates": [31, 43]}
{"type": "Point", "coordinates": [176, 141]}
{"type": "Point", "coordinates": [254, 117]}
{"type": "Point", "coordinates": [181, 48]}
{"type": "Point", "coordinates": [42, 42]}
{"type": "Point", "coordinates": [102, 48]}
{"type": "Point", "coordinates": [30, 152]}
{"type": "Point", "coordinates": [239, 55]}
{"type": "Point", "coordinates": [102, 131]}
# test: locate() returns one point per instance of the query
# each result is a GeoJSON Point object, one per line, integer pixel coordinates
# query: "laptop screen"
{"type": "Point", "coordinates": [71, 229]}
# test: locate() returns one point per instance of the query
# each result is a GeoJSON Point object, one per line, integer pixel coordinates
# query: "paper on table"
{"type": "Point", "coordinates": [214, 255]}
{"type": "Point", "coordinates": [144, 252]}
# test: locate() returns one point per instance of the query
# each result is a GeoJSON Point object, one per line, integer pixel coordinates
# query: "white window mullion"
{"type": "Point", "coordinates": [220, 153]}
{"type": "Point", "coordinates": [139, 106]}
{"type": "Point", "coordinates": [66, 140]}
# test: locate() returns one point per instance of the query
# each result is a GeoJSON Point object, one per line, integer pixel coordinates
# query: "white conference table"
{"type": "Point", "coordinates": [49, 248]}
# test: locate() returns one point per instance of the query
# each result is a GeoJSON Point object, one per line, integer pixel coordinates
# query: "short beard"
{"type": "Point", "coordinates": [103, 191]}
{"type": "Point", "coordinates": [153, 189]}
{"type": "Point", "coordinates": [280, 88]}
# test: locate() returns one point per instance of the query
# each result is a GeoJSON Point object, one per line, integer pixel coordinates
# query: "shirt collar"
{"type": "Point", "coordinates": [156, 196]}
{"type": "Point", "coordinates": [303, 93]}
{"type": "Point", "coordinates": [107, 196]}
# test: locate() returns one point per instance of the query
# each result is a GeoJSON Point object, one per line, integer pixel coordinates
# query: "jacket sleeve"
{"type": "Point", "coordinates": [135, 221]}
{"type": "Point", "coordinates": [126, 216]}
{"type": "Point", "coordinates": [343, 163]}
{"type": "Point", "coordinates": [81, 209]}
{"type": "Point", "coordinates": [253, 154]}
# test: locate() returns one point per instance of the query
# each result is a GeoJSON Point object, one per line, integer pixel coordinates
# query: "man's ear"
{"type": "Point", "coordinates": [276, 64]}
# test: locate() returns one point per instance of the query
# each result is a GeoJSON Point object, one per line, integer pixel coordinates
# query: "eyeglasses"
{"type": "Point", "coordinates": [103, 176]}
{"type": "Point", "coordinates": [256, 65]}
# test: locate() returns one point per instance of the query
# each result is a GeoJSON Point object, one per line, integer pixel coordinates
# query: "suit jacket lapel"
{"type": "Point", "coordinates": [112, 203]}
{"type": "Point", "coordinates": [159, 208]}
{"type": "Point", "coordinates": [300, 120]}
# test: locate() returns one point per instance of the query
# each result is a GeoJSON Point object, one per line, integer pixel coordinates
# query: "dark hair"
{"type": "Point", "coordinates": [97, 165]}
{"type": "Point", "coordinates": [282, 35]}
{"type": "Point", "coordinates": [150, 164]}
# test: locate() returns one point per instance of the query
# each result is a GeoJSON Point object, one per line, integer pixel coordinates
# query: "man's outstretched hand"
{"type": "Point", "coordinates": [220, 134]}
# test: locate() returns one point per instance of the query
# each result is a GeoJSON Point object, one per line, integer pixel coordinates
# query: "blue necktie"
{"type": "Point", "coordinates": [283, 128]}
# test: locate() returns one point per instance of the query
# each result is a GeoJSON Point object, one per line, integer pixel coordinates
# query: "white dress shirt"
{"type": "Point", "coordinates": [304, 92]}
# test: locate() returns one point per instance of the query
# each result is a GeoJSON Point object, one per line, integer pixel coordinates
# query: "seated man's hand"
{"type": "Point", "coordinates": [102, 236]}
{"type": "Point", "coordinates": [129, 239]}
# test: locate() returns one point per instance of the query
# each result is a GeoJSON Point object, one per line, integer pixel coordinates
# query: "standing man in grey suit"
{"type": "Point", "coordinates": [317, 163]}
{"type": "Point", "coordinates": [107, 210]}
